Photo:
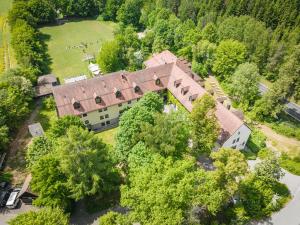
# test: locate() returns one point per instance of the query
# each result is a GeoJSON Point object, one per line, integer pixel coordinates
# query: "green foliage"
{"type": "Point", "coordinates": [110, 57]}
{"type": "Point", "coordinates": [205, 128]}
{"type": "Point", "coordinates": [265, 153]}
{"type": "Point", "coordinates": [291, 164]}
{"type": "Point", "coordinates": [20, 11]}
{"type": "Point", "coordinates": [289, 128]}
{"type": "Point", "coordinates": [231, 167]}
{"type": "Point", "coordinates": [168, 135]}
{"type": "Point", "coordinates": [209, 33]}
{"type": "Point", "coordinates": [131, 121]}
{"type": "Point", "coordinates": [244, 84]}
{"type": "Point", "coordinates": [4, 137]}
{"type": "Point", "coordinates": [129, 13]}
{"type": "Point", "coordinates": [260, 198]}
{"type": "Point", "coordinates": [45, 216]}
{"type": "Point", "coordinates": [287, 86]}
{"type": "Point", "coordinates": [43, 10]}
{"type": "Point", "coordinates": [256, 141]}
{"type": "Point", "coordinates": [60, 126]}
{"type": "Point", "coordinates": [39, 147]}
{"type": "Point", "coordinates": [229, 55]}
{"type": "Point", "coordinates": [49, 182]}
{"type": "Point", "coordinates": [111, 8]}
{"type": "Point", "coordinates": [269, 170]}
{"type": "Point", "coordinates": [85, 163]}
{"type": "Point", "coordinates": [113, 218]}
{"type": "Point", "coordinates": [174, 101]}
{"type": "Point", "coordinates": [203, 57]}
{"type": "Point", "coordinates": [49, 103]}
{"type": "Point", "coordinates": [160, 192]}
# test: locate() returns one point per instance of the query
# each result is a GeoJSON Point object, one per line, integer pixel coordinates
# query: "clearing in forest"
{"type": "Point", "coordinates": [69, 43]}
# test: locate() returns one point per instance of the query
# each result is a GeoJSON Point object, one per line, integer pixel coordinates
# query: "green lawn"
{"type": "Point", "coordinates": [5, 6]}
{"type": "Point", "coordinates": [108, 136]}
{"type": "Point", "coordinates": [65, 43]}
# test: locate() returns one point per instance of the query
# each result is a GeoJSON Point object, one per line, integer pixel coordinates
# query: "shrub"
{"type": "Point", "coordinates": [256, 141]}
{"type": "Point", "coordinates": [265, 153]}
{"type": "Point", "coordinates": [49, 103]}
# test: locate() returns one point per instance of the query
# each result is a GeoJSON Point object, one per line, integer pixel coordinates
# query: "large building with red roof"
{"type": "Point", "coordinates": [99, 101]}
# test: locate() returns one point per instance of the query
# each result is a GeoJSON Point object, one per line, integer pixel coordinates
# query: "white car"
{"type": "Point", "coordinates": [13, 199]}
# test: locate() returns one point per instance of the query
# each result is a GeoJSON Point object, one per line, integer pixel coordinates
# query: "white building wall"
{"type": "Point", "coordinates": [239, 139]}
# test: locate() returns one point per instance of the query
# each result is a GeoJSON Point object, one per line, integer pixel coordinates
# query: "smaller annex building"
{"type": "Point", "coordinates": [100, 101]}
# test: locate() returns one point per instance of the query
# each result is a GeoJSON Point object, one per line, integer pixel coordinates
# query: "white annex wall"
{"type": "Point", "coordinates": [239, 138]}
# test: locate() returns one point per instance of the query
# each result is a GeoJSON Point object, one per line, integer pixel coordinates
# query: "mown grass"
{"type": "Point", "coordinates": [5, 6]}
{"type": "Point", "coordinates": [108, 136]}
{"type": "Point", "coordinates": [290, 163]}
{"type": "Point", "coordinates": [68, 44]}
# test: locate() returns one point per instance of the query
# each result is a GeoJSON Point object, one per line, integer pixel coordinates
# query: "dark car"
{"type": "Point", "coordinates": [4, 195]}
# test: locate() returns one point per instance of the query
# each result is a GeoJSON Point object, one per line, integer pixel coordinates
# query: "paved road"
{"type": "Point", "coordinates": [292, 108]}
{"type": "Point", "coordinates": [290, 214]}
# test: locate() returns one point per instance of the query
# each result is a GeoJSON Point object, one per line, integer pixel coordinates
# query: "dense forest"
{"type": "Point", "coordinates": [152, 167]}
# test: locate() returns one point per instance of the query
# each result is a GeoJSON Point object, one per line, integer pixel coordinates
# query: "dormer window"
{"type": "Point", "coordinates": [193, 97]}
{"type": "Point", "coordinates": [117, 92]}
{"type": "Point", "coordinates": [177, 83]}
{"type": "Point", "coordinates": [185, 90]}
{"type": "Point", "coordinates": [136, 88]}
{"type": "Point", "coordinates": [156, 79]}
{"type": "Point", "coordinates": [75, 103]}
{"type": "Point", "coordinates": [97, 98]}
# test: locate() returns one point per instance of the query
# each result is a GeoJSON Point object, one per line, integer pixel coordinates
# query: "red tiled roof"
{"type": "Point", "coordinates": [163, 66]}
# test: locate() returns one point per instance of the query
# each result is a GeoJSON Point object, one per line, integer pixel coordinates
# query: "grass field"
{"type": "Point", "coordinates": [5, 6]}
{"type": "Point", "coordinates": [65, 45]}
{"type": "Point", "coordinates": [108, 136]}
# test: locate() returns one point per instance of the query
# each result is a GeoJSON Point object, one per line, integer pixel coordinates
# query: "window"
{"type": "Point", "coordinates": [243, 143]}
{"type": "Point", "coordinates": [100, 110]}
{"type": "Point", "coordinates": [129, 102]}
{"type": "Point", "coordinates": [234, 147]}
{"type": "Point", "coordinates": [106, 116]}
{"type": "Point", "coordinates": [120, 105]}
{"type": "Point", "coordinates": [84, 115]}
{"type": "Point", "coordinates": [157, 81]}
{"type": "Point", "coordinates": [105, 109]}
{"type": "Point", "coordinates": [239, 133]}
{"type": "Point", "coordinates": [102, 124]}
{"type": "Point", "coordinates": [86, 122]}
{"type": "Point", "coordinates": [237, 140]}
{"type": "Point", "coordinates": [98, 100]}
{"type": "Point", "coordinates": [233, 141]}
{"type": "Point", "coordinates": [101, 117]}
{"type": "Point", "coordinates": [107, 122]}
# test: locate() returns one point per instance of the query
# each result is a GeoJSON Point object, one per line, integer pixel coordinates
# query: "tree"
{"type": "Point", "coordinates": [140, 156]}
{"type": "Point", "coordinates": [205, 128]}
{"type": "Point", "coordinates": [113, 218]}
{"type": "Point", "coordinates": [168, 135]}
{"type": "Point", "coordinates": [39, 147]}
{"type": "Point", "coordinates": [229, 55]}
{"type": "Point", "coordinates": [231, 167]}
{"type": "Point", "coordinates": [110, 57]}
{"type": "Point", "coordinates": [60, 126]}
{"type": "Point", "coordinates": [111, 8]}
{"type": "Point", "coordinates": [209, 33]}
{"type": "Point", "coordinates": [161, 192]}
{"type": "Point", "coordinates": [203, 57]}
{"type": "Point", "coordinates": [130, 12]}
{"type": "Point", "coordinates": [44, 216]}
{"type": "Point", "coordinates": [20, 11]}
{"type": "Point", "coordinates": [269, 170]}
{"type": "Point", "coordinates": [50, 183]}
{"type": "Point", "coordinates": [244, 84]}
{"type": "Point", "coordinates": [287, 86]}
{"type": "Point", "coordinates": [131, 121]}
{"type": "Point", "coordinates": [43, 10]}
{"type": "Point", "coordinates": [85, 162]}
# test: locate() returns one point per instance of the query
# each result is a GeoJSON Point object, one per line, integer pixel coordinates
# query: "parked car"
{"type": "Point", "coordinates": [4, 195]}
{"type": "Point", "coordinates": [13, 199]}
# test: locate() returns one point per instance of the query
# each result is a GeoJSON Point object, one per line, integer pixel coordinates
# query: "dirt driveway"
{"type": "Point", "coordinates": [280, 142]}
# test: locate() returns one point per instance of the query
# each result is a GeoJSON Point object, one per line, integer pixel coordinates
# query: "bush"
{"type": "Point", "coordinates": [49, 103]}
{"type": "Point", "coordinates": [265, 153]}
{"type": "Point", "coordinates": [290, 164]}
{"type": "Point", "coordinates": [287, 128]}
{"type": "Point", "coordinates": [256, 141]}
{"type": "Point", "coordinates": [249, 154]}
